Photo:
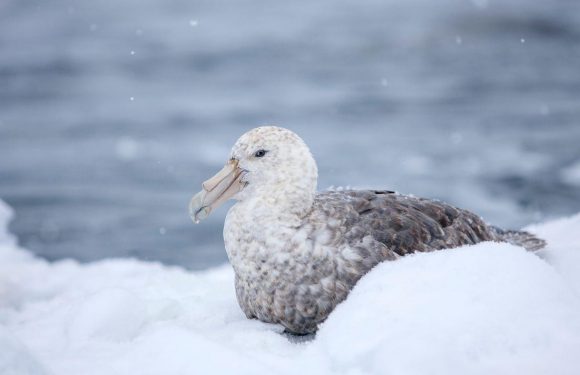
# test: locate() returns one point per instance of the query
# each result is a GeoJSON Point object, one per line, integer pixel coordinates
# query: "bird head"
{"type": "Point", "coordinates": [269, 163]}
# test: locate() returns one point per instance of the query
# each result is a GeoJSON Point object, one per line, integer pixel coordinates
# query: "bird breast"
{"type": "Point", "coordinates": [283, 275]}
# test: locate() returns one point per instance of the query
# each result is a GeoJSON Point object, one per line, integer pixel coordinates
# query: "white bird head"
{"type": "Point", "coordinates": [268, 163]}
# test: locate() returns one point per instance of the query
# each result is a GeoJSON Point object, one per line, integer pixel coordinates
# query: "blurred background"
{"type": "Point", "coordinates": [113, 112]}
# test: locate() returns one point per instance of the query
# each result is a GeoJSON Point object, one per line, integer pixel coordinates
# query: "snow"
{"type": "Point", "coordinates": [492, 305]}
{"type": "Point", "coordinates": [489, 308]}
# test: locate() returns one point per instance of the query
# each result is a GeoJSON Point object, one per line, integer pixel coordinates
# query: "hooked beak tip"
{"type": "Point", "coordinates": [200, 214]}
{"type": "Point", "coordinates": [197, 209]}
{"type": "Point", "coordinates": [215, 191]}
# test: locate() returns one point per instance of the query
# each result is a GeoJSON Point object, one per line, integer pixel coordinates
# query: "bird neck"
{"type": "Point", "coordinates": [285, 203]}
{"type": "Point", "coordinates": [285, 198]}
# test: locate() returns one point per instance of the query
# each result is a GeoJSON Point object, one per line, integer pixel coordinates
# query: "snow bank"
{"type": "Point", "coordinates": [490, 308]}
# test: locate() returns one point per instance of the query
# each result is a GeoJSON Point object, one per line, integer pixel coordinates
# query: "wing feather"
{"type": "Point", "coordinates": [406, 224]}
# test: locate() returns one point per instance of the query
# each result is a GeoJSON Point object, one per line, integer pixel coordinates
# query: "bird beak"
{"type": "Point", "coordinates": [217, 190]}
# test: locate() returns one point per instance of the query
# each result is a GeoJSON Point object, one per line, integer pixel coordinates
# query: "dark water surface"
{"type": "Point", "coordinates": [113, 112]}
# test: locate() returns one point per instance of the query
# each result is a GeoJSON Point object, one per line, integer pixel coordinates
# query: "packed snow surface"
{"type": "Point", "coordinates": [489, 308]}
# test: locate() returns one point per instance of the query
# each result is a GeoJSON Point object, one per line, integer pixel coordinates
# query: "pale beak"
{"type": "Point", "coordinates": [218, 189]}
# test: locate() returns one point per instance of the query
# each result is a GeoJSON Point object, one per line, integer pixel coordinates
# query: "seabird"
{"type": "Point", "coordinates": [297, 252]}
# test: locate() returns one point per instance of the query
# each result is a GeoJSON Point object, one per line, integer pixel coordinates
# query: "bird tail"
{"type": "Point", "coordinates": [520, 238]}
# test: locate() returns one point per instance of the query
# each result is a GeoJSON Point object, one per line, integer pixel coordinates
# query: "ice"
{"type": "Point", "coordinates": [489, 308]}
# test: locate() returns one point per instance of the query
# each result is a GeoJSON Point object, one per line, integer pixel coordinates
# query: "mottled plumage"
{"type": "Point", "coordinates": [297, 253]}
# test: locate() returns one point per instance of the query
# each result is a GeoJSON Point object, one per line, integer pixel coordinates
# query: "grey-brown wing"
{"type": "Point", "coordinates": [405, 224]}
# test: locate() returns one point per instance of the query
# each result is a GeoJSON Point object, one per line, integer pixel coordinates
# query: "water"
{"type": "Point", "coordinates": [112, 113]}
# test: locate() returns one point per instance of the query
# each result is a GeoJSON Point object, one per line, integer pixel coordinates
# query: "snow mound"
{"type": "Point", "coordinates": [489, 308]}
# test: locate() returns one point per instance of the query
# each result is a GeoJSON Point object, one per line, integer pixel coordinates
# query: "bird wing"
{"type": "Point", "coordinates": [404, 224]}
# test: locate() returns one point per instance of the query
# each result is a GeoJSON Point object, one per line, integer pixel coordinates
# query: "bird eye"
{"type": "Point", "coordinates": [260, 153]}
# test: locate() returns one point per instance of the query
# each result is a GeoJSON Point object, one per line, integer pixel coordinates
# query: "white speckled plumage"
{"type": "Point", "coordinates": [297, 253]}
